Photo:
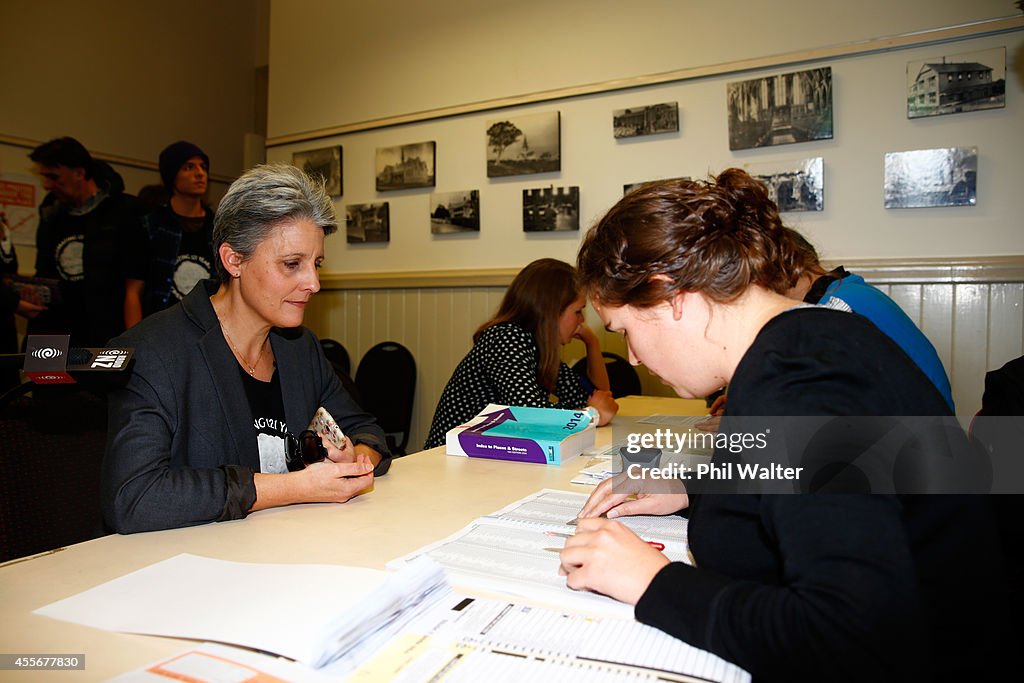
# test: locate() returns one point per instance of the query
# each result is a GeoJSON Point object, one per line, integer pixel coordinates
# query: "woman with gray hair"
{"type": "Point", "coordinates": [204, 429]}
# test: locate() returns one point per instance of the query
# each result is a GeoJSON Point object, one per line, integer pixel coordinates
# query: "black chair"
{"type": "Point", "coordinates": [386, 380]}
{"type": "Point", "coordinates": [337, 354]}
{"type": "Point", "coordinates": [53, 445]}
{"type": "Point", "coordinates": [623, 377]}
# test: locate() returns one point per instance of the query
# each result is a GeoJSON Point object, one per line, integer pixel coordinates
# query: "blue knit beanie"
{"type": "Point", "coordinates": [176, 154]}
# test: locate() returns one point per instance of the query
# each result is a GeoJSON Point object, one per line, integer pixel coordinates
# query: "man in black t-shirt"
{"type": "Point", "coordinates": [84, 222]}
{"type": "Point", "coordinates": [174, 244]}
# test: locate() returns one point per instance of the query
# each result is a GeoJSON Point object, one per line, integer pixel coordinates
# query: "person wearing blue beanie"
{"type": "Point", "coordinates": [175, 239]}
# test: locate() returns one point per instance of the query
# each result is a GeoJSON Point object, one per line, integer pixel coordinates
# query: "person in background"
{"type": "Point", "coordinates": [221, 380]}
{"type": "Point", "coordinates": [85, 221]}
{"type": "Point", "coordinates": [174, 243]}
{"type": "Point", "coordinates": [515, 356]}
{"type": "Point", "coordinates": [11, 303]}
{"type": "Point", "coordinates": [798, 587]}
{"type": "Point", "coordinates": [847, 291]}
{"type": "Point", "coordinates": [154, 196]}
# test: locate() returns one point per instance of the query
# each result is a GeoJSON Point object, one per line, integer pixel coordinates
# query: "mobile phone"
{"type": "Point", "coordinates": [324, 425]}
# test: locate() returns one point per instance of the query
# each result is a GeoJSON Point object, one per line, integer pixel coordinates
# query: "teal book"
{"type": "Point", "coordinates": [541, 435]}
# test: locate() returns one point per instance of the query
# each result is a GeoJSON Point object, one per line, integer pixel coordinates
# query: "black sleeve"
{"type": "Point", "coordinates": [46, 265]}
{"type": "Point", "coordinates": [140, 490]}
{"type": "Point", "coordinates": [848, 605]}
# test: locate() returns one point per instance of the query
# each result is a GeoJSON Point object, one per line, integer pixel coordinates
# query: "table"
{"type": "Point", "coordinates": [425, 497]}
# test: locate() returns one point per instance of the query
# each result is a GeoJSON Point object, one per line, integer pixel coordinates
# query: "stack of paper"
{"type": "Point", "coordinates": [319, 615]}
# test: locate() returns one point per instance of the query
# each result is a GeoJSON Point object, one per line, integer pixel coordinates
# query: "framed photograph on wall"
{"type": "Point", "coordinates": [931, 177]}
{"type": "Point", "coordinates": [405, 166]}
{"type": "Point", "coordinates": [455, 212]}
{"type": "Point", "coordinates": [793, 185]}
{"type": "Point", "coordinates": [782, 109]}
{"type": "Point", "coordinates": [950, 84]}
{"type": "Point", "coordinates": [647, 120]}
{"type": "Point", "coordinates": [524, 144]}
{"type": "Point", "coordinates": [324, 164]}
{"type": "Point", "coordinates": [366, 223]}
{"type": "Point", "coordinates": [547, 209]}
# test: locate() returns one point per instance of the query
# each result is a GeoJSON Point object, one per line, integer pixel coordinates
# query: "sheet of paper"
{"type": "Point", "coordinates": [215, 663]}
{"type": "Point", "coordinates": [312, 613]}
{"type": "Point", "coordinates": [512, 551]}
{"type": "Point", "coordinates": [510, 641]}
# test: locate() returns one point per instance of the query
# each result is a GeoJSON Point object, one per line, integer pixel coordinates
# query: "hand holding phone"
{"type": "Point", "coordinates": [324, 425]}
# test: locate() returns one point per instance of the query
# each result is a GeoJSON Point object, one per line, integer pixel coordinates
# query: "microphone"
{"type": "Point", "coordinates": [49, 360]}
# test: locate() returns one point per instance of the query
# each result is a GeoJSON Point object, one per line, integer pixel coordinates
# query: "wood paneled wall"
{"type": "Point", "coordinates": [974, 317]}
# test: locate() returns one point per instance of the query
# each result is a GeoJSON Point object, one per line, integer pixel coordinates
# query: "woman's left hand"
{"type": "Point", "coordinates": [607, 557]}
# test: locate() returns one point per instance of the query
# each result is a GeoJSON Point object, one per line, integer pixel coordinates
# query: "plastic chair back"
{"type": "Point", "coordinates": [623, 377]}
{"type": "Point", "coordinates": [386, 380]}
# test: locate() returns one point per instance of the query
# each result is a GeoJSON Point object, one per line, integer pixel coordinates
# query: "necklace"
{"type": "Point", "coordinates": [251, 369]}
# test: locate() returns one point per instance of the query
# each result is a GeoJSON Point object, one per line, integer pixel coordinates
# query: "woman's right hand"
{"type": "Point", "coordinates": [621, 496]}
{"type": "Point", "coordinates": [336, 482]}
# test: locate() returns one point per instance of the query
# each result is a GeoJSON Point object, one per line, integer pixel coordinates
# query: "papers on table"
{"type": "Point", "coordinates": [319, 615]}
{"type": "Point", "coordinates": [407, 626]}
{"type": "Point", "coordinates": [215, 663]}
{"type": "Point", "coordinates": [510, 551]}
{"type": "Point", "coordinates": [483, 640]}
{"type": "Point", "coordinates": [607, 462]}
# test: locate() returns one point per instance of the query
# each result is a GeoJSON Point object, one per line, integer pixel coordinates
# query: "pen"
{"type": "Point", "coordinates": [654, 544]}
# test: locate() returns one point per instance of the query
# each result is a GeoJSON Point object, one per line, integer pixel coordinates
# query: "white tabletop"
{"type": "Point", "coordinates": [425, 497]}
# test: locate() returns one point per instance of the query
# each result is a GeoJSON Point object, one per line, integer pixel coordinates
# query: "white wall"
{"type": "Point", "coordinates": [352, 60]}
{"type": "Point", "coordinates": [128, 77]}
{"type": "Point", "coordinates": [869, 120]}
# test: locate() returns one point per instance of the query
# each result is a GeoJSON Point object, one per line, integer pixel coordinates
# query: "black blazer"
{"type": "Point", "coordinates": [181, 448]}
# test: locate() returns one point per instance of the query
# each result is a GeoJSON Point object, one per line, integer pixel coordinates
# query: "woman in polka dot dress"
{"type": "Point", "coordinates": [515, 356]}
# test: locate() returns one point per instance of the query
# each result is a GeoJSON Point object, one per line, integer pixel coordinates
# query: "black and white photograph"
{"type": "Point", "coordinates": [455, 212]}
{"type": "Point", "coordinates": [525, 144]}
{"type": "Point", "coordinates": [647, 120]}
{"type": "Point", "coordinates": [405, 166]}
{"type": "Point", "coordinates": [931, 177]}
{"type": "Point", "coordinates": [950, 84]}
{"type": "Point", "coordinates": [793, 185]}
{"type": "Point", "coordinates": [629, 187]}
{"type": "Point", "coordinates": [546, 209]}
{"type": "Point", "coordinates": [324, 164]}
{"type": "Point", "coordinates": [780, 110]}
{"type": "Point", "coordinates": [367, 223]}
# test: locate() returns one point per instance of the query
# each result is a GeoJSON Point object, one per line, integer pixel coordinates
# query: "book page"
{"type": "Point", "coordinates": [515, 551]}
{"type": "Point", "coordinates": [472, 638]}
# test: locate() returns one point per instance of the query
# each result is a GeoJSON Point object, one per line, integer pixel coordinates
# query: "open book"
{"type": "Point", "coordinates": [514, 551]}
{"type": "Point", "coordinates": [541, 435]}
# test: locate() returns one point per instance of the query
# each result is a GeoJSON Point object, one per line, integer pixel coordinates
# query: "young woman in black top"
{"type": "Point", "coordinates": [807, 586]}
